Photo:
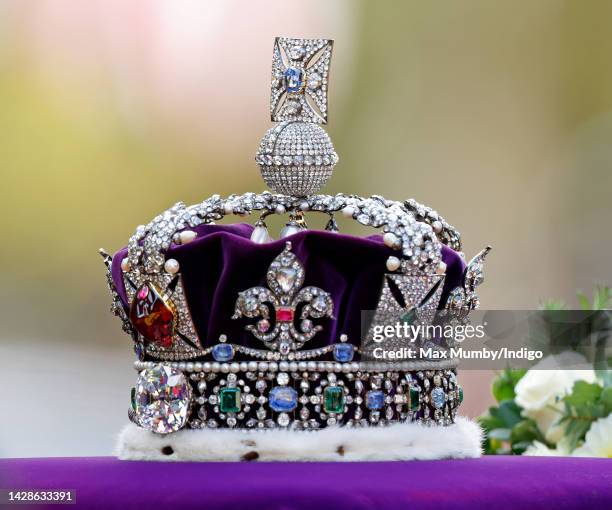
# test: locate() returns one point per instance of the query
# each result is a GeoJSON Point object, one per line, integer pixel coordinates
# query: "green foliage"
{"type": "Point", "coordinates": [500, 420]}
{"type": "Point", "coordinates": [586, 403]}
{"type": "Point", "coordinates": [504, 383]}
{"type": "Point", "coordinates": [602, 299]}
{"type": "Point", "coordinates": [553, 304]}
{"type": "Point", "coordinates": [602, 330]}
{"type": "Point", "coordinates": [506, 428]}
{"type": "Point", "coordinates": [583, 393]}
{"type": "Point", "coordinates": [606, 400]}
{"type": "Point", "coordinates": [507, 431]}
{"type": "Point", "coordinates": [523, 434]}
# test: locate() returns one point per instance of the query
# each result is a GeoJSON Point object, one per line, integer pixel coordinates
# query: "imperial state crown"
{"type": "Point", "coordinates": [245, 344]}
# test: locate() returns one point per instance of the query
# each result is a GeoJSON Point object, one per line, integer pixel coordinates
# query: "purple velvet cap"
{"type": "Point", "coordinates": [222, 261]}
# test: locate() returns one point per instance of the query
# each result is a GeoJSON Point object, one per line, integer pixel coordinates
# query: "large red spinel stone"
{"type": "Point", "coordinates": [285, 314]}
{"type": "Point", "coordinates": [152, 316]}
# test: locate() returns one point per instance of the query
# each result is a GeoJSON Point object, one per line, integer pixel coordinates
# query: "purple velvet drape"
{"type": "Point", "coordinates": [501, 483]}
{"type": "Point", "coordinates": [223, 261]}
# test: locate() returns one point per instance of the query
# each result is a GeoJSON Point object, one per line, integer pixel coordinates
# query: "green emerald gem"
{"type": "Point", "coordinates": [229, 400]}
{"type": "Point", "coordinates": [414, 398]}
{"type": "Point", "coordinates": [133, 399]}
{"type": "Point", "coordinates": [460, 394]}
{"type": "Point", "coordinates": [410, 316]}
{"type": "Point", "coordinates": [334, 399]}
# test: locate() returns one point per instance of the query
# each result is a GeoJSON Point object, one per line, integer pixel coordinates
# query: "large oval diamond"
{"type": "Point", "coordinates": [162, 399]}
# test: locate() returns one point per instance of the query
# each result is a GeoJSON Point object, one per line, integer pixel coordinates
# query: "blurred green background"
{"type": "Point", "coordinates": [497, 114]}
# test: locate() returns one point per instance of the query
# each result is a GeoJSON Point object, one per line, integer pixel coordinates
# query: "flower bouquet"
{"type": "Point", "coordinates": [548, 411]}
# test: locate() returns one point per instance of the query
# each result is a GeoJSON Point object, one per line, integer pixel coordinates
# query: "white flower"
{"type": "Point", "coordinates": [539, 391]}
{"type": "Point", "coordinates": [598, 440]}
{"type": "Point", "coordinates": [537, 449]}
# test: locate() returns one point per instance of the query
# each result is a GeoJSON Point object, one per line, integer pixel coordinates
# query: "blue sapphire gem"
{"type": "Point", "coordinates": [294, 78]}
{"type": "Point", "coordinates": [139, 350]}
{"type": "Point", "coordinates": [223, 352]}
{"type": "Point", "coordinates": [343, 352]}
{"type": "Point", "coordinates": [283, 399]}
{"type": "Point", "coordinates": [438, 398]}
{"type": "Point", "coordinates": [375, 399]}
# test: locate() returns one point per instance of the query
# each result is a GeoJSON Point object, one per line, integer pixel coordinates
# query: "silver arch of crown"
{"type": "Point", "coordinates": [296, 157]}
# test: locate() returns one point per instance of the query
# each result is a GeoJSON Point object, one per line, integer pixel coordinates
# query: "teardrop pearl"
{"type": "Point", "coordinates": [260, 235]}
{"type": "Point", "coordinates": [289, 229]}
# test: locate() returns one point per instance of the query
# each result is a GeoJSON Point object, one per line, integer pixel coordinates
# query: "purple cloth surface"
{"type": "Point", "coordinates": [223, 261]}
{"type": "Point", "coordinates": [490, 482]}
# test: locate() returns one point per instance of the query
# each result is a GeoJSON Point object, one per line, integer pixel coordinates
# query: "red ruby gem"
{"type": "Point", "coordinates": [152, 316]}
{"type": "Point", "coordinates": [285, 314]}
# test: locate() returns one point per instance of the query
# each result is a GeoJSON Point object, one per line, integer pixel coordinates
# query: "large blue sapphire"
{"type": "Point", "coordinates": [438, 398]}
{"type": "Point", "coordinates": [294, 79]}
{"type": "Point", "coordinates": [343, 352]}
{"type": "Point", "coordinates": [223, 352]}
{"type": "Point", "coordinates": [283, 399]}
{"type": "Point", "coordinates": [375, 399]}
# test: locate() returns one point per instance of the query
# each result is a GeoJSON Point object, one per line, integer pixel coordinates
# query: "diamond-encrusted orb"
{"type": "Point", "coordinates": [296, 158]}
{"type": "Point", "coordinates": [161, 400]}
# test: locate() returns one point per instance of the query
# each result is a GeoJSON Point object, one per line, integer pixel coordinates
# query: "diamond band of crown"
{"type": "Point", "coordinates": [290, 395]}
{"type": "Point", "coordinates": [278, 372]}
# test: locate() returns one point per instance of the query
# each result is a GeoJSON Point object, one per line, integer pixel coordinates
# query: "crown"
{"type": "Point", "coordinates": [235, 330]}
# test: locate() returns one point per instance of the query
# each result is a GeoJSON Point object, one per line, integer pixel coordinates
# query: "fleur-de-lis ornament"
{"type": "Point", "coordinates": [278, 305]}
